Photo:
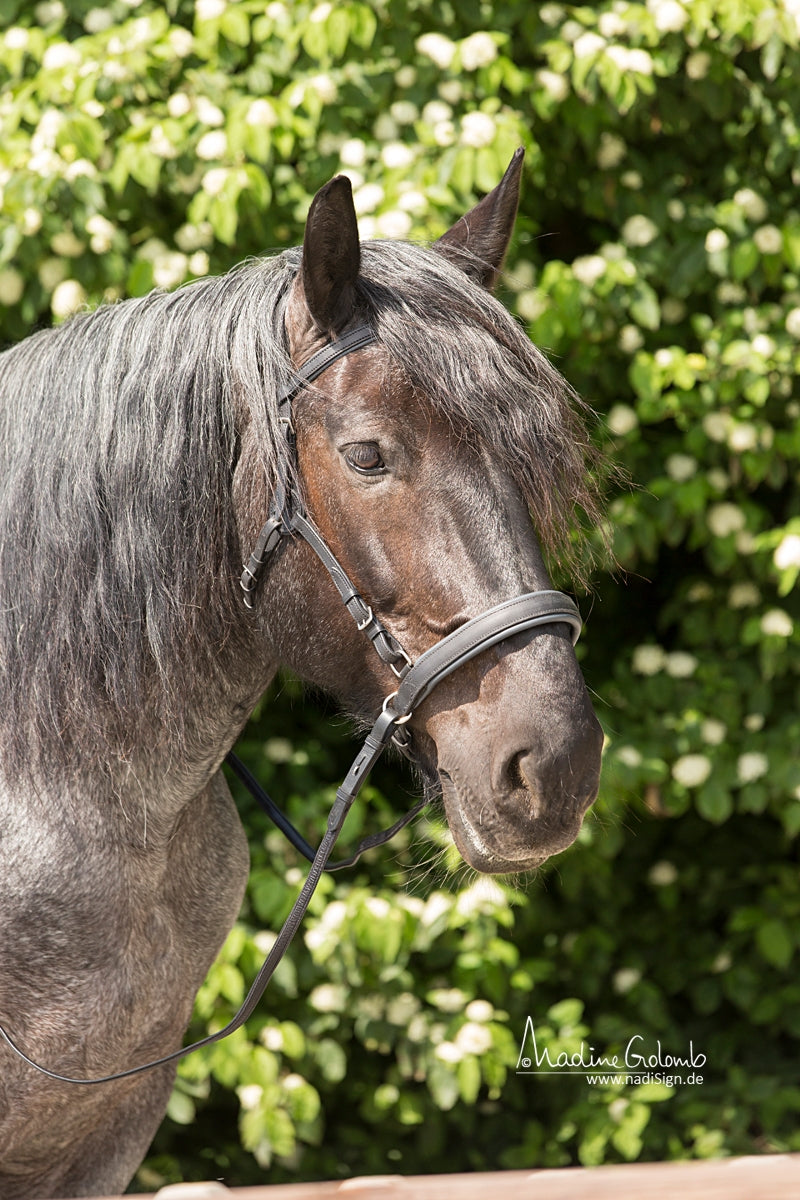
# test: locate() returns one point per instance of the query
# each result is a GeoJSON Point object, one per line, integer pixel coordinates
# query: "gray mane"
{"type": "Point", "coordinates": [118, 442]}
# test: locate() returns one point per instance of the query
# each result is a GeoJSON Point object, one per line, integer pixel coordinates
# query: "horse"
{"type": "Point", "coordinates": [141, 447]}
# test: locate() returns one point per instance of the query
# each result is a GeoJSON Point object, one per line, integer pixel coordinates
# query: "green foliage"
{"type": "Point", "coordinates": [658, 261]}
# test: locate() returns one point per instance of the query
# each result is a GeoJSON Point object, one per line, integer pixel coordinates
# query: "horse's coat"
{"type": "Point", "coordinates": [137, 454]}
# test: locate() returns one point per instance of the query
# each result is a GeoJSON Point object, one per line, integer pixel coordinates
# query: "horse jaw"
{"type": "Point", "coordinates": [517, 783]}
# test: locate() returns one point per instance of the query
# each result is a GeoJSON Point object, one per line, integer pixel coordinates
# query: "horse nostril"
{"type": "Point", "coordinates": [515, 776]}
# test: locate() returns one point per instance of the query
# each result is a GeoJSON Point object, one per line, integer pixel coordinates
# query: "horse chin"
{"type": "Point", "coordinates": [506, 836]}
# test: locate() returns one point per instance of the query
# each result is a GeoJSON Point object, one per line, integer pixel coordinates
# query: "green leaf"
{"type": "Point", "coordinates": [775, 942]}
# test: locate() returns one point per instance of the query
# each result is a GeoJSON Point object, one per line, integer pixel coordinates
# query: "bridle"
{"type": "Point", "coordinates": [415, 681]}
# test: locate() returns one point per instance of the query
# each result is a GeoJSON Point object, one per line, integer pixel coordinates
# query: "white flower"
{"type": "Point", "coordinates": [640, 62]}
{"type": "Point", "coordinates": [394, 224]}
{"type": "Point", "coordinates": [51, 271]}
{"type": "Point", "coordinates": [743, 595]}
{"type": "Point", "coordinates": [194, 237]}
{"type": "Point", "coordinates": [478, 50]}
{"type": "Point", "coordinates": [676, 209]}
{"type": "Point", "coordinates": [716, 240]}
{"type": "Point", "coordinates": [477, 129]}
{"type": "Point", "coordinates": [81, 166]}
{"type": "Point", "coordinates": [556, 86]}
{"type": "Point", "coordinates": [611, 25]}
{"type": "Point", "coordinates": [588, 44]}
{"type": "Point", "coordinates": [479, 1010]}
{"type": "Point", "coordinates": [435, 111]}
{"type": "Point", "coordinates": [444, 133]}
{"type": "Point", "coordinates": [321, 13]}
{"type": "Point", "coordinates": [160, 144]}
{"type": "Point", "coordinates": [328, 997]}
{"type": "Point", "coordinates": [648, 659]}
{"type": "Point", "coordinates": [743, 436]}
{"type": "Point", "coordinates": [713, 732]}
{"type": "Point", "coordinates": [67, 244]}
{"type": "Point", "coordinates": [17, 38]}
{"type": "Point", "coordinates": [787, 553]}
{"type": "Point", "coordinates": [212, 145]}
{"type": "Point", "coordinates": [98, 19]}
{"type": "Point", "coordinates": [413, 201]}
{"type": "Point", "coordinates": [325, 87]}
{"type": "Point", "coordinates": [763, 344]}
{"type": "Point", "coordinates": [31, 221]}
{"type": "Point", "coordinates": [367, 198]}
{"type": "Point", "coordinates": [612, 151]}
{"type": "Point", "coordinates": [691, 770]}
{"type": "Point", "coordinates": [625, 979]}
{"type": "Point", "coordinates": [405, 112]}
{"type": "Point", "coordinates": [378, 907]}
{"type": "Point", "coordinates": [725, 519]}
{"type": "Point", "coordinates": [639, 230]}
{"type": "Point", "coordinates": [262, 114]}
{"type": "Point", "coordinates": [67, 298]}
{"type": "Point", "coordinates": [199, 263]}
{"type": "Point", "coordinates": [169, 269]}
{"type": "Point", "coordinates": [751, 204]}
{"type": "Point", "coordinates": [792, 324]}
{"type": "Point", "coordinates": [12, 286]}
{"type": "Point", "coordinates": [777, 623]}
{"type": "Point", "coordinates": [768, 239]}
{"type": "Point", "coordinates": [250, 1095]}
{"type": "Point", "coordinates": [662, 874]}
{"type": "Point", "coordinates": [438, 48]}
{"type": "Point", "coordinates": [681, 467]}
{"type": "Point", "coordinates": [473, 1038]}
{"type": "Point", "coordinates": [551, 14]}
{"type": "Point", "coordinates": [622, 420]}
{"type": "Point", "coordinates": [629, 756]}
{"type": "Point", "coordinates": [630, 339]}
{"type": "Point", "coordinates": [214, 180]}
{"type": "Point", "coordinates": [754, 722]}
{"type": "Point", "coordinates": [353, 153]}
{"type": "Point", "coordinates": [680, 665]}
{"type": "Point", "coordinates": [181, 41]}
{"type": "Point", "coordinates": [451, 90]}
{"type": "Point", "coordinates": [209, 10]}
{"type": "Point", "coordinates": [396, 155]}
{"type": "Point", "coordinates": [589, 268]}
{"type": "Point", "coordinates": [60, 55]}
{"type": "Point", "coordinates": [698, 64]}
{"type": "Point", "coordinates": [669, 15]}
{"type": "Point", "coordinates": [752, 766]}
{"type": "Point", "coordinates": [49, 10]}
{"type": "Point", "coordinates": [179, 104]}
{"type": "Point", "coordinates": [449, 1052]}
{"type": "Point", "coordinates": [208, 113]}
{"type": "Point", "coordinates": [716, 426]}
{"type": "Point", "coordinates": [406, 76]}
{"type": "Point", "coordinates": [102, 233]}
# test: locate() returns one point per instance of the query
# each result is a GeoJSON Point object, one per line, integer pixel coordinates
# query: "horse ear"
{"type": "Point", "coordinates": [331, 256]}
{"type": "Point", "coordinates": [478, 242]}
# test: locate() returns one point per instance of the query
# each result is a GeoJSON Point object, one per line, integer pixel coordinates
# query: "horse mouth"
{"type": "Point", "coordinates": [513, 833]}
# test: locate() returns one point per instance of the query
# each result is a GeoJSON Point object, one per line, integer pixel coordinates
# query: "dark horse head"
{"type": "Point", "coordinates": [421, 458]}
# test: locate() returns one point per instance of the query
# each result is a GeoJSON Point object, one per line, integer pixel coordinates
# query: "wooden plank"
{"type": "Point", "coordinates": [769, 1177]}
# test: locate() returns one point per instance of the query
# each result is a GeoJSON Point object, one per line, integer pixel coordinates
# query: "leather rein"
{"type": "Point", "coordinates": [288, 517]}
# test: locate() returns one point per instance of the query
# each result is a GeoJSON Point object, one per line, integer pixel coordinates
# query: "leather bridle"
{"type": "Point", "coordinates": [415, 680]}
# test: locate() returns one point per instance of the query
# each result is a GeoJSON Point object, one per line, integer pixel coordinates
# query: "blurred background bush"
{"type": "Point", "coordinates": [657, 261]}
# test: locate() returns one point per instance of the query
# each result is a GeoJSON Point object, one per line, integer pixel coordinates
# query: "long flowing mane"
{"type": "Point", "coordinates": [118, 444]}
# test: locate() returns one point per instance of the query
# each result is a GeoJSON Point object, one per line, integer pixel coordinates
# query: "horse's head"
{"type": "Point", "coordinates": [413, 457]}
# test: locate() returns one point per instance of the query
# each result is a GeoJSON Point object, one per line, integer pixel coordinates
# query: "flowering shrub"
{"type": "Point", "coordinates": [658, 261]}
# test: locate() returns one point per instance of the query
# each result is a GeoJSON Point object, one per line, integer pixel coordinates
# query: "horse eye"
{"type": "Point", "coordinates": [365, 457]}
